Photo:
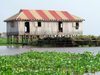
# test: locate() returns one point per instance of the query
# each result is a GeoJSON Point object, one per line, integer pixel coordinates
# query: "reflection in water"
{"type": "Point", "coordinates": [12, 50]}
{"type": "Point", "coordinates": [17, 47]}
{"type": "Point", "coordinates": [20, 49]}
{"type": "Point", "coordinates": [13, 46]}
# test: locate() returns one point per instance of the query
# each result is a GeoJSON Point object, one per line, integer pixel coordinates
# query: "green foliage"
{"type": "Point", "coordinates": [89, 37]}
{"type": "Point", "coordinates": [34, 42]}
{"type": "Point", "coordinates": [3, 40]}
{"type": "Point", "coordinates": [79, 41]}
{"type": "Point", "coordinates": [48, 63]}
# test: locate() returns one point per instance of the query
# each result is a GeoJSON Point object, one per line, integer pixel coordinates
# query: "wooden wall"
{"type": "Point", "coordinates": [47, 28]}
{"type": "Point", "coordinates": [12, 27]}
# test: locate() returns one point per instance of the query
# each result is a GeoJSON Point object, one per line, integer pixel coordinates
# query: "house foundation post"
{"type": "Point", "coordinates": [18, 39]}
{"type": "Point", "coordinates": [7, 39]}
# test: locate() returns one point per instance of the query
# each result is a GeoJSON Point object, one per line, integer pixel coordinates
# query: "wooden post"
{"type": "Point", "coordinates": [22, 39]}
{"type": "Point", "coordinates": [7, 39]}
{"type": "Point", "coordinates": [11, 39]}
{"type": "Point", "coordinates": [25, 39]}
{"type": "Point", "coordinates": [29, 39]}
{"type": "Point", "coordinates": [18, 39]}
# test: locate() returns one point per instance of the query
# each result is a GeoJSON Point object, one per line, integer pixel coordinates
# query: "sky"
{"type": "Point", "coordinates": [86, 9]}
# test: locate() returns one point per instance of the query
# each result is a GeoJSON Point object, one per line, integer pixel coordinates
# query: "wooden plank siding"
{"type": "Point", "coordinates": [47, 28]}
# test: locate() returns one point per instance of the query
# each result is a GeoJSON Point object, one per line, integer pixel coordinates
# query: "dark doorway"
{"type": "Point", "coordinates": [39, 24]}
{"type": "Point", "coordinates": [27, 28]}
{"type": "Point", "coordinates": [60, 27]}
{"type": "Point", "coordinates": [77, 25]}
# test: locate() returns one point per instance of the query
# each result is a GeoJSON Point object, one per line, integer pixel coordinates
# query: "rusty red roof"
{"type": "Point", "coordinates": [26, 14]}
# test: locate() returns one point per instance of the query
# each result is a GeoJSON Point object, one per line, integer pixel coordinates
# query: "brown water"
{"type": "Point", "coordinates": [13, 50]}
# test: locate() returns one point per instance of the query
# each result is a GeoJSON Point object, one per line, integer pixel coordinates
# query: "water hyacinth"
{"type": "Point", "coordinates": [48, 63]}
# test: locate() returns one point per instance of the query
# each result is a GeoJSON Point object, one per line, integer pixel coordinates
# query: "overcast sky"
{"type": "Point", "coordinates": [87, 9]}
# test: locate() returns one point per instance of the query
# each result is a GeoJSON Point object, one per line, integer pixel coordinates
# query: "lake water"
{"type": "Point", "coordinates": [96, 73]}
{"type": "Point", "coordinates": [14, 50]}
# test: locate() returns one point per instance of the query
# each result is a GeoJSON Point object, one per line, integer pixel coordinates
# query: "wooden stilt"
{"type": "Point", "coordinates": [8, 39]}
{"type": "Point", "coordinates": [11, 39]}
{"type": "Point", "coordinates": [18, 39]}
{"type": "Point", "coordinates": [22, 39]}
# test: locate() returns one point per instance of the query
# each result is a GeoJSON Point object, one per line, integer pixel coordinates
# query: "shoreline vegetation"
{"type": "Point", "coordinates": [48, 63]}
{"type": "Point", "coordinates": [76, 41]}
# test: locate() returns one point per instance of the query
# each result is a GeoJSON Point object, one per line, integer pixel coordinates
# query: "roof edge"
{"type": "Point", "coordinates": [45, 20]}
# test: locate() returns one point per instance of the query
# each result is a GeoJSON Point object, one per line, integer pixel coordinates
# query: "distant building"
{"type": "Point", "coordinates": [0, 34]}
{"type": "Point", "coordinates": [3, 35]}
{"type": "Point", "coordinates": [44, 22]}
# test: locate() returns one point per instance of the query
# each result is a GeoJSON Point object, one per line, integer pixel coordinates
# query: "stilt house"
{"type": "Point", "coordinates": [44, 23]}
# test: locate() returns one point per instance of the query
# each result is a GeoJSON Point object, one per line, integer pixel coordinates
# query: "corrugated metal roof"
{"type": "Point", "coordinates": [25, 14]}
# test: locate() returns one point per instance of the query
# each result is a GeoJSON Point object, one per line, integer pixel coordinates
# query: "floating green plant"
{"type": "Point", "coordinates": [48, 63]}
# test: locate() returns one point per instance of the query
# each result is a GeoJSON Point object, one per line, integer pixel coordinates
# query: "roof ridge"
{"type": "Point", "coordinates": [44, 9]}
{"type": "Point", "coordinates": [18, 15]}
